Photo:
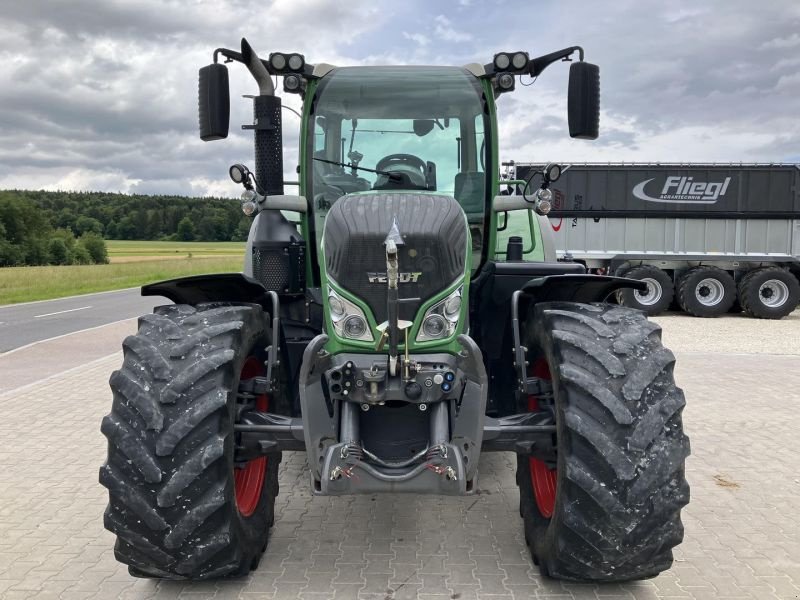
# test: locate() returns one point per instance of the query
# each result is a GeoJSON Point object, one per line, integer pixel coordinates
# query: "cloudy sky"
{"type": "Point", "coordinates": [102, 94]}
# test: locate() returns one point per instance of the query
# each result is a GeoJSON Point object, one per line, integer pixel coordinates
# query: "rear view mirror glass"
{"type": "Point", "coordinates": [583, 102]}
{"type": "Point", "coordinates": [214, 103]}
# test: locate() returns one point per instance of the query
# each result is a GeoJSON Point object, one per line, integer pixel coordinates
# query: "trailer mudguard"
{"type": "Point", "coordinates": [220, 287]}
{"type": "Point", "coordinates": [578, 288]}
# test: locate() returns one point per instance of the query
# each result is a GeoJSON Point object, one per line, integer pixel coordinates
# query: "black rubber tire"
{"type": "Point", "coordinates": [170, 466]}
{"type": "Point", "coordinates": [631, 298]}
{"type": "Point", "coordinates": [750, 297]}
{"type": "Point", "coordinates": [688, 283]}
{"type": "Point", "coordinates": [620, 446]}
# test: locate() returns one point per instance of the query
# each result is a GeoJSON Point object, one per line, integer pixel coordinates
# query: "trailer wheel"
{"type": "Point", "coordinates": [659, 294]}
{"type": "Point", "coordinates": [706, 291]}
{"type": "Point", "coordinates": [610, 510]}
{"type": "Point", "coordinates": [769, 293]}
{"type": "Point", "coordinates": [178, 504]}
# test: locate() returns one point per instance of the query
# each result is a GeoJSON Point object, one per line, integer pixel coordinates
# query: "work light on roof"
{"type": "Point", "coordinates": [506, 82]}
{"type": "Point", "coordinates": [502, 61]}
{"type": "Point", "coordinates": [280, 62]}
{"type": "Point", "coordinates": [520, 60]}
{"type": "Point", "coordinates": [277, 61]}
{"type": "Point", "coordinates": [516, 62]}
{"type": "Point", "coordinates": [292, 83]}
{"type": "Point", "coordinates": [296, 62]}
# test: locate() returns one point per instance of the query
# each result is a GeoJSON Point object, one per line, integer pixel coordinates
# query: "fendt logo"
{"type": "Point", "coordinates": [402, 277]}
{"type": "Point", "coordinates": [684, 190]}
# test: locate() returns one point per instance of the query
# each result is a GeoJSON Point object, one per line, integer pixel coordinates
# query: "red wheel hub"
{"type": "Point", "coordinates": [543, 478]}
{"type": "Point", "coordinates": [249, 481]}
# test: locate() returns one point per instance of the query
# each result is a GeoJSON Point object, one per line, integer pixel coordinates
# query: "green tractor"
{"type": "Point", "coordinates": [387, 325]}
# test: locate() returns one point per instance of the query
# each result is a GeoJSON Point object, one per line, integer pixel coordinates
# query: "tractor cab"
{"type": "Point", "coordinates": [411, 129]}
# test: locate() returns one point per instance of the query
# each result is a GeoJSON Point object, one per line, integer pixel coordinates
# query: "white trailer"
{"type": "Point", "coordinates": [705, 238]}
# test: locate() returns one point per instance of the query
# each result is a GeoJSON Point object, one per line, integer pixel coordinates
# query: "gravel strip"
{"type": "Point", "coordinates": [732, 334]}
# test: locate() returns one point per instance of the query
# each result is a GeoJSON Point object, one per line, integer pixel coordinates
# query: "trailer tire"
{"type": "Point", "coordinates": [769, 293]}
{"type": "Point", "coordinates": [179, 507]}
{"type": "Point", "coordinates": [615, 497]}
{"type": "Point", "coordinates": [706, 291]}
{"type": "Point", "coordinates": [660, 290]}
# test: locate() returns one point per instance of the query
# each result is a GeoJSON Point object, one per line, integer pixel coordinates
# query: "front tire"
{"type": "Point", "coordinates": [178, 505]}
{"type": "Point", "coordinates": [619, 483]}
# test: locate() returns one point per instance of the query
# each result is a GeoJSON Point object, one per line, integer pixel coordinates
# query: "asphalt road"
{"type": "Point", "coordinates": [23, 324]}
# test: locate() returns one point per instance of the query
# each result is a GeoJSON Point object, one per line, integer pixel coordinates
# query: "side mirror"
{"type": "Point", "coordinates": [214, 103]}
{"type": "Point", "coordinates": [583, 102]}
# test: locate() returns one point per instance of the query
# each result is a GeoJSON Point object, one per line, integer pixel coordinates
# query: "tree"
{"type": "Point", "coordinates": [95, 247]}
{"type": "Point", "coordinates": [87, 224]}
{"type": "Point", "coordinates": [126, 230]}
{"type": "Point", "coordinates": [186, 231]}
{"type": "Point", "coordinates": [35, 251]}
{"type": "Point", "coordinates": [59, 255]}
{"type": "Point", "coordinates": [9, 254]}
{"type": "Point", "coordinates": [80, 255]}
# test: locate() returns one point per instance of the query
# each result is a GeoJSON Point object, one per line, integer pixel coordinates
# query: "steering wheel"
{"type": "Point", "coordinates": [387, 162]}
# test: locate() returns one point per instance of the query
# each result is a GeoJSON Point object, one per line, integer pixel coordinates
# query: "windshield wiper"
{"type": "Point", "coordinates": [390, 175]}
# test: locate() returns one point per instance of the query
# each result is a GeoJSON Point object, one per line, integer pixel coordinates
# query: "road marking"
{"type": "Point", "coordinates": [60, 312]}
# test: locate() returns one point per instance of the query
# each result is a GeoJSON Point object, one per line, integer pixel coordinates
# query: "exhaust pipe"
{"type": "Point", "coordinates": [266, 127]}
{"type": "Point", "coordinates": [257, 70]}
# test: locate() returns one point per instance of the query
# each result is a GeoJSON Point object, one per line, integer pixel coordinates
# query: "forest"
{"type": "Point", "coordinates": [41, 228]}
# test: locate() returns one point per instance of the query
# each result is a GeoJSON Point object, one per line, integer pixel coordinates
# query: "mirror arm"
{"type": "Point", "coordinates": [230, 55]}
{"type": "Point", "coordinates": [540, 63]}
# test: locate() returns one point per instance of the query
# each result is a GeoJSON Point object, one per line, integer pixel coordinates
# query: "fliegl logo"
{"type": "Point", "coordinates": [684, 190]}
{"type": "Point", "coordinates": [402, 277]}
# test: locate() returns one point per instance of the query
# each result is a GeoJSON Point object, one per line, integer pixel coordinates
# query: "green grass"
{"type": "Point", "coordinates": [132, 264]}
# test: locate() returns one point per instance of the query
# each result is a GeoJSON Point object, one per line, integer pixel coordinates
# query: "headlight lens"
{"type": "Point", "coordinates": [336, 307]}
{"type": "Point", "coordinates": [441, 319]}
{"type": "Point", "coordinates": [434, 326]}
{"type": "Point", "coordinates": [355, 326]}
{"type": "Point", "coordinates": [349, 321]}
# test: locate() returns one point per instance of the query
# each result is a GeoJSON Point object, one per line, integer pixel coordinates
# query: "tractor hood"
{"type": "Point", "coordinates": [432, 257]}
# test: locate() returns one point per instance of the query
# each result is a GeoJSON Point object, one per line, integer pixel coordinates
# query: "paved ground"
{"type": "Point", "coordinates": [23, 324]}
{"type": "Point", "coordinates": [742, 526]}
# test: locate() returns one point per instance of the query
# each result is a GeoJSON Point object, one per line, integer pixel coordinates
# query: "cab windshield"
{"type": "Point", "coordinates": [405, 128]}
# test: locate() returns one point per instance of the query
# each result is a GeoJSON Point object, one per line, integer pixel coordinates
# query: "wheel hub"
{"type": "Point", "coordinates": [774, 293]}
{"type": "Point", "coordinates": [652, 294]}
{"type": "Point", "coordinates": [249, 480]}
{"type": "Point", "coordinates": [543, 479]}
{"type": "Point", "coordinates": [709, 292]}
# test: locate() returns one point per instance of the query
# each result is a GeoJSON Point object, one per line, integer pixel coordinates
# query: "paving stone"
{"type": "Point", "coordinates": [742, 526]}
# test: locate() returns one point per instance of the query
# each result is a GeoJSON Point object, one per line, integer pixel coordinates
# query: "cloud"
{"type": "Point", "coordinates": [103, 95]}
{"type": "Point", "coordinates": [418, 38]}
{"type": "Point", "coordinates": [445, 31]}
{"type": "Point", "coordinates": [780, 43]}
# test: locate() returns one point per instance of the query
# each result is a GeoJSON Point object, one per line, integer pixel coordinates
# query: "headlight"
{"type": "Point", "coordinates": [543, 201]}
{"type": "Point", "coordinates": [441, 319]}
{"type": "Point", "coordinates": [249, 202]}
{"type": "Point", "coordinates": [348, 320]}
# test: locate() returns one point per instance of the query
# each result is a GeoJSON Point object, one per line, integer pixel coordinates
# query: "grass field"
{"type": "Point", "coordinates": [133, 263]}
{"type": "Point", "coordinates": [124, 251]}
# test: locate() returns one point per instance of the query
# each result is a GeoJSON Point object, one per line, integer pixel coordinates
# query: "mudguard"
{"type": "Point", "coordinates": [578, 288]}
{"type": "Point", "coordinates": [219, 287]}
